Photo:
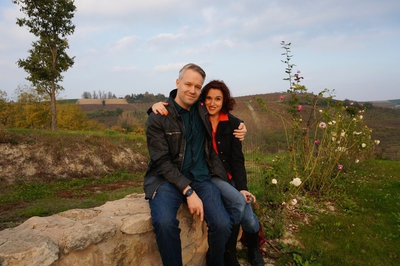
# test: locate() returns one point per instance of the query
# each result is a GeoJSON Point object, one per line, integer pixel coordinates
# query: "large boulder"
{"type": "Point", "coordinates": [117, 233]}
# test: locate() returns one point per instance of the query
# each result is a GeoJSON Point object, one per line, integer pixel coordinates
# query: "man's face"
{"type": "Point", "coordinates": [189, 88]}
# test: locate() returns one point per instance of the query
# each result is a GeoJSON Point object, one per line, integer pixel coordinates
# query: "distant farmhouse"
{"type": "Point", "coordinates": [100, 101]}
{"type": "Point", "coordinates": [105, 104]}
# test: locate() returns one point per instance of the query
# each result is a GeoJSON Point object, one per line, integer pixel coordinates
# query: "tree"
{"type": "Point", "coordinates": [86, 95]}
{"type": "Point", "coordinates": [3, 96]}
{"type": "Point", "coordinates": [31, 110]}
{"type": "Point", "coordinates": [3, 108]}
{"type": "Point", "coordinates": [50, 21]}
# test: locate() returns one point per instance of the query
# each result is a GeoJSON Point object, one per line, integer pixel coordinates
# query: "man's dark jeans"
{"type": "Point", "coordinates": [164, 208]}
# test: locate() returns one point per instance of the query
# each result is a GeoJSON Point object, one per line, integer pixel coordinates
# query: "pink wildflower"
{"type": "Point", "coordinates": [322, 125]}
{"type": "Point", "coordinates": [340, 167]}
{"type": "Point", "coordinates": [299, 107]}
{"type": "Point", "coordinates": [281, 97]}
{"type": "Point", "coordinates": [317, 141]}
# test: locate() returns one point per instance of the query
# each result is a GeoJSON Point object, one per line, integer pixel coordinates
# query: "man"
{"type": "Point", "coordinates": [180, 169]}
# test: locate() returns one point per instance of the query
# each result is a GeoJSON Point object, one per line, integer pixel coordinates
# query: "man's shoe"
{"type": "Point", "coordinates": [230, 258]}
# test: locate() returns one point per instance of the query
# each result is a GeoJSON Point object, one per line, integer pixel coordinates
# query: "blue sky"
{"type": "Point", "coordinates": [350, 47]}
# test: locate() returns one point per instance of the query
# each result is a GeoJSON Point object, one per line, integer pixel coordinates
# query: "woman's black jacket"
{"type": "Point", "coordinates": [230, 151]}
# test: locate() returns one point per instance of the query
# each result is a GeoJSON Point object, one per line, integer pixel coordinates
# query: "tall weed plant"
{"type": "Point", "coordinates": [325, 138]}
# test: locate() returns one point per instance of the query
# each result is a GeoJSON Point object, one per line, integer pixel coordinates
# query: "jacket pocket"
{"type": "Point", "coordinates": [174, 139]}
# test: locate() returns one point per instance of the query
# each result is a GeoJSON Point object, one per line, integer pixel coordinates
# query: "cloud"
{"type": "Point", "coordinates": [125, 44]}
{"type": "Point", "coordinates": [164, 40]}
{"type": "Point", "coordinates": [236, 40]}
{"type": "Point", "coordinates": [122, 11]}
{"type": "Point", "coordinates": [169, 67]}
{"type": "Point", "coordinates": [120, 69]}
{"type": "Point", "coordinates": [218, 46]}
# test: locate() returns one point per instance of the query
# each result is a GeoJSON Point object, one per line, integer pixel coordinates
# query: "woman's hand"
{"type": "Point", "coordinates": [240, 132]}
{"type": "Point", "coordinates": [248, 196]}
{"type": "Point", "coordinates": [159, 108]}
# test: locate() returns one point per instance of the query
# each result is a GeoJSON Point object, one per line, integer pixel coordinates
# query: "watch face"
{"type": "Point", "coordinates": [189, 192]}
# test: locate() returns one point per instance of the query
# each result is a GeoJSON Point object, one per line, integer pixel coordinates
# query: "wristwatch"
{"type": "Point", "coordinates": [189, 192]}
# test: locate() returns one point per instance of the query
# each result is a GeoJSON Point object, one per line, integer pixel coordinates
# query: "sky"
{"type": "Point", "coordinates": [350, 47]}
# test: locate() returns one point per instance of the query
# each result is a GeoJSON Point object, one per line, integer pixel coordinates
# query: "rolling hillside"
{"type": "Point", "coordinates": [266, 130]}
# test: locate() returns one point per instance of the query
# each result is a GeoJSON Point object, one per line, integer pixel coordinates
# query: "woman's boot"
{"type": "Point", "coordinates": [254, 255]}
{"type": "Point", "coordinates": [230, 258]}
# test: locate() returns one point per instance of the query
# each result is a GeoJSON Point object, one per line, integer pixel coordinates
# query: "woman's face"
{"type": "Point", "coordinates": [214, 101]}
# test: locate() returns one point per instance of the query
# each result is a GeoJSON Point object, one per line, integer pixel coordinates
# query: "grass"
{"type": "Point", "coordinates": [363, 230]}
{"type": "Point", "coordinates": [19, 202]}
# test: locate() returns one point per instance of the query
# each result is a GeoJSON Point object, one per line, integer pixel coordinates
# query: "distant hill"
{"type": "Point", "coordinates": [388, 103]}
{"type": "Point", "coordinates": [264, 128]}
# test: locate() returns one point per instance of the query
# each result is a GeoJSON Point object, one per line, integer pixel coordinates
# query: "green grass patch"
{"type": "Point", "coordinates": [365, 228]}
{"type": "Point", "coordinates": [19, 202]}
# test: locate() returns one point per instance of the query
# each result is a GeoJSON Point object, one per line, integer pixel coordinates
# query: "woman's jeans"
{"type": "Point", "coordinates": [240, 211]}
{"type": "Point", "coordinates": [164, 208]}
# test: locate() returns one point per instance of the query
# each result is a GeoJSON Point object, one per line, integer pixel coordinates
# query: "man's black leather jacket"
{"type": "Point", "coordinates": [166, 144]}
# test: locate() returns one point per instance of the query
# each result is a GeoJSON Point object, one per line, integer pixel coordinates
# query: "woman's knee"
{"type": "Point", "coordinates": [250, 224]}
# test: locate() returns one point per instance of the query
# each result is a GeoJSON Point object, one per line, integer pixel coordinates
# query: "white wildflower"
{"type": "Point", "coordinates": [274, 181]}
{"type": "Point", "coordinates": [293, 202]}
{"type": "Point", "coordinates": [322, 125]}
{"type": "Point", "coordinates": [341, 149]}
{"type": "Point", "coordinates": [377, 141]}
{"type": "Point", "coordinates": [296, 182]}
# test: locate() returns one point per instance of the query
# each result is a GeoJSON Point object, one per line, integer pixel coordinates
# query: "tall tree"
{"type": "Point", "coordinates": [50, 21]}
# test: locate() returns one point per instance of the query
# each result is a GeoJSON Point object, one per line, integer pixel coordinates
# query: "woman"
{"type": "Point", "coordinates": [218, 101]}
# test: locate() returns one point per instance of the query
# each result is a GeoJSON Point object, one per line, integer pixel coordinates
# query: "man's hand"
{"type": "Point", "coordinates": [195, 205]}
{"type": "Point", "coordinates": [159, 108]}
{"type": "Point", "coordinates": [240, 132]}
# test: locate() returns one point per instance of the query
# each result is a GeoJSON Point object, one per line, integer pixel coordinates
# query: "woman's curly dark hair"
{"type": "Point", "coordinates": [228, 102]}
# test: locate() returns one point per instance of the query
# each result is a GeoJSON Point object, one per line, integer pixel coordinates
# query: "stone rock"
{"type": "Point", "coordinates": [35, 161]}
{"type": "Point", "coordinates": [28, 249]}
{"type": "Point", "coordinates": [117, 233]}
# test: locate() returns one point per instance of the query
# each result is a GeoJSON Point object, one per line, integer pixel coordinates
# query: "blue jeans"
{"type": "Point", "coordinates": [164, 208]}
{"type": "Point", "coordinates": [239, 210]}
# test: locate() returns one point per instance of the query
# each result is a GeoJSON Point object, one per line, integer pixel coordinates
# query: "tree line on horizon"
{"type": "Point", "coordinates": [130, 98]}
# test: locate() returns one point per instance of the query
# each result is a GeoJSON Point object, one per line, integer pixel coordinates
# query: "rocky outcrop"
{"type": "Point", "coordinates": [68, 159]}
{"type": "Point", "coordinates": [117, 233]}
